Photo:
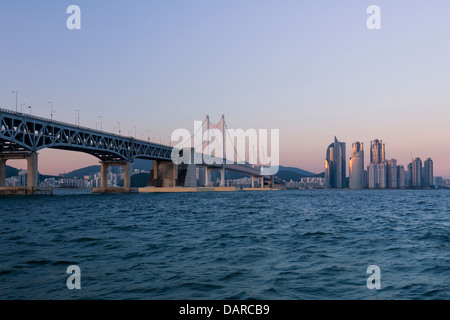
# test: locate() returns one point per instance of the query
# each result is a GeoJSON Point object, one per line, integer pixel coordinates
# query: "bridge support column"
{"type": "Point", "coordinates": [155, 168]}
{"type": "Point", "coordinates": [207, 172]}
{"type": "Point", "coordinates": [164, 174]}
{"type": "Point", "coordinates": [261, 182]}
{"type": "Point", "coordinates": [104, 175]}
{"type": "Point", "coordinates": [32, 170]}
{"type": "Point", "coordinates": [127, 175]}
{"type": "Point", "coordinates": [2, 173]}
{"type": "Point", "coordinates": [222, 177]}
{"type": "Point", "coordinates": [253, 181]}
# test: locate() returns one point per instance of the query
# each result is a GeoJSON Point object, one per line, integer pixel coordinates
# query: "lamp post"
{"type": "Point", "coordinates": [21, 107]}
{"type": "Point", "coordinates": [51, 110]}
{"type": "Point", "coordinates": [101, 123]}
{"type": "Point", "coordinates": [148, 135]}
{"type": "Point", "coordinates": [17, 97]}
{"type": "Point", "coordinates": [29, 107]}
{"type": "Point", "coordinates": [118, 122]}
{"type": "Point", "coordinates": [78, 118]}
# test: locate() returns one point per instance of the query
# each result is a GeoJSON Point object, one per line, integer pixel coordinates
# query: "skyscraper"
{"type": "Point", "coordinates": [382, 175]}
{"type": "Point", "coordinates": [428, 179]}
{"type": "Point", "coordinates": [356, 166]}
{"type": "Point", "coordinates": [378, 168]}
{"type": "Point", "coordinates": [408, 176]}
{"type": "Point", "coordinates": [392, 176]}
{"type": "Point", "coordinates": [401, 177]}
{"type": "Point", "coordinates": [372, 176]}
{"type": "Point", "coordinates": [416, 173]}
{"type": "Point", "coordinates": [335, 167]}
{"type": "Point", "coordinates": [377, 151]}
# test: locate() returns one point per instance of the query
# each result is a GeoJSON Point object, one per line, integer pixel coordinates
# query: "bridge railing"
{"type": "Point", "coordinates": [24, 115]}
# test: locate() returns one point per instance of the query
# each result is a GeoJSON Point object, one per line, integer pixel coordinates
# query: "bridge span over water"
{"type": "Point", "coordinates": [22, 136]}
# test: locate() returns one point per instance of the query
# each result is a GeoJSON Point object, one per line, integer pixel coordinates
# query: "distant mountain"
{"type": "Point", "coordinates": [11, 172]}
{"type": "Point", "coordinates": [320, 175]}
{"type": "Point", "coordinates": [80, 173]}
{"type": "Point", "coordinates": [142, 164]}
{"type": "Point", "coordinates": [294, 174]}
{"type": "Point", "coordinates": [304, 173]}
{"type": "Point", "coordinates": [289, 175]}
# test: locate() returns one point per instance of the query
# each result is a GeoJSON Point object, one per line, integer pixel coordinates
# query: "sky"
{"type": "Point", "coordinates": [311, 69]}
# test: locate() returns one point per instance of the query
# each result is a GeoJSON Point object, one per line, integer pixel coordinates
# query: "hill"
{"type": "Point", "coordinates": [80, 173]}
{"type": "Point", "coordinates": [11, 172]}
{"type": "Point", "coordinates": [304, 173]}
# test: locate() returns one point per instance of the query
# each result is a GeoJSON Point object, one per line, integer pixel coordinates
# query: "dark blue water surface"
{"type": "Point", "coordinates": [239, 245]}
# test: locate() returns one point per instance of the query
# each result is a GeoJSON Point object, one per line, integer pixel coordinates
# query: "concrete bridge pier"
{"type": "Point", "coordinates": [2, 173]}
{"type": "Point", "coordinates": [32, 170]}
{"type": "Point", "coordinates": [104, 177]}
{"type": "Point", "coordinates": [164, 174]}
{"type": "Point", "coordinates": [32, 167]}
{"type": "Point", "coordinates": [32, 175]}
{"type": "Point", "coordinates": [207, 176]}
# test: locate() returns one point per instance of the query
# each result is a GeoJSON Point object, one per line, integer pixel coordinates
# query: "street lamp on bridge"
{"type": "Point", "coordinates": [101, 123]}
{"type": "Point", "coordinates": [51, 110]}
{"type": "Point", "coordinates": [17, 97]}
{"type": "Point", "coordinates": [78, 118]}
{"type": "Point", "coordinates": [118, 122]}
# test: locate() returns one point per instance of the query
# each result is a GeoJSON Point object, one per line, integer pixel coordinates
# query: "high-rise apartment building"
{"type": "Point", "coordinates": [416, 181]}
{"type": "Point", "coordinates": [428, 178]}
{"type": "Point", "coordinates": [356, 166]}
{"type": "Point", "coordinates": [335, 165]}
{"type": "Point", "coordinates": [372, 176]}
{"type": "Point", "coordinates": [392, 176]}
{"type": "Point", "coordinates": [382, 175]}
{"type": "Point", "coordinates": [401, 177]}
{"type": "Point", "coordinates": [377, 151]}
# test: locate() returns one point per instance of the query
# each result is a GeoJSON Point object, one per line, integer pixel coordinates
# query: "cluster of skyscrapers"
{"type": "Point", "coordinates": [380, 173]}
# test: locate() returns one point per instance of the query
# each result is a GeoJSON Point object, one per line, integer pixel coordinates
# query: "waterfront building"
{"type": "Point", "coordinates": [382, 175]}
{"type": "Point", "coordinates": [392, 175]}
{"type": "Point", "coordinates": [377, 151]}
{"type": "Point", "coordinates": [356, 166]}
{"type": "Point", "coordinates": [428, 178]}
{"type": "Point", "coordinates": [372, 175]}
{"type": "Point", "coordinates": [416, 179]}
{"type": "Point", "coordinates": [335, 166]}
{"type": "Point", "coordinates": [401, 177]}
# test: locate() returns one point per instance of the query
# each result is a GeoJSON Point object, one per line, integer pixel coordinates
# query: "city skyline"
{"type": "Point", "coordinates": [381, 173]}
{"type": "Point", "coordinates": [313, 70]}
